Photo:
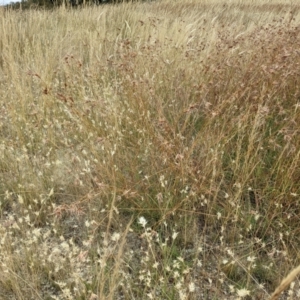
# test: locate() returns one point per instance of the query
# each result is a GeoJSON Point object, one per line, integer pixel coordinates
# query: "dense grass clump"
{"type": "Point", "coordinates": [150, 151]}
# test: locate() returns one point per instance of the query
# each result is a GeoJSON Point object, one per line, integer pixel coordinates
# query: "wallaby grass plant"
{"type": "Point", "coordinates": [150, 151]}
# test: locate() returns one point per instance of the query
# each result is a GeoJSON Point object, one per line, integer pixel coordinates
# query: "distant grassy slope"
{"type": "Point", "coordinates": [150, 150]}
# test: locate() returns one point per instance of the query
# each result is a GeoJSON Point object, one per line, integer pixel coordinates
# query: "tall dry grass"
{"type": "Point", "coordinates": [150, 150]}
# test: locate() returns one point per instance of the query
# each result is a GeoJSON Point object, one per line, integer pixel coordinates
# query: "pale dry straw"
{"type": "Point", "coordinates": [285, 283]}
{"type": "Point", "coordinates": [149, 149]}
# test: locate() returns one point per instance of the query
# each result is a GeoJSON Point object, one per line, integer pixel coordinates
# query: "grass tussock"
{"type": "Point", "coordinates": [150, 151]}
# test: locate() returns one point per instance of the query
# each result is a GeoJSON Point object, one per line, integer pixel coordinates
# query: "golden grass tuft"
{"type": "Point", "coordinates": [150, 150]}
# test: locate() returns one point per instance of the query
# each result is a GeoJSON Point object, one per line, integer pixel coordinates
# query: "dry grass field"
{"type": "Point", "coordinates": [150, 151]}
